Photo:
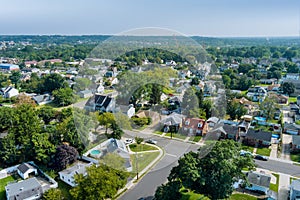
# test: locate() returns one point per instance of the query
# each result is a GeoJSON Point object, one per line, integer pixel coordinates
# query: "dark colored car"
{"type": "Point", "coordinates": [259, 157]}
{"type": "Point", "coordinates": [150, 141]}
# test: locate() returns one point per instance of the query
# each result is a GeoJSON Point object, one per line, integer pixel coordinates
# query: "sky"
{"type": "Point", "coordinates": [217, 18]}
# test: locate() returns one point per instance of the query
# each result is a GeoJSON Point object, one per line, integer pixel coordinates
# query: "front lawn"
{"type": "Point", "coordinates": [144, 159]}
{"type": "Point", "coordinates": [239, 196]}
{"type": "Point", "coordinates": [247, 148]}
{"type": "Point", "coordinates": [176, 135]}
{"type": "Point", "coordinates": [292, 99]}
{"type": "Point", "coordinates": [158, 132]}
{"type": "Point", "coordinates": [295, 157]}
{"type": "Point", "coordinates": [3, 183]}
{"type": "Point", "coordinates": [197, 138]}
{"type": "Point", "coordinates": [187, 195]}
{"type": "Point", "coordinates": [273, 186]}
{"type": "Point", "coordinates": [141, 147]}
{"type": "Point", "coordinates": [263, 151]}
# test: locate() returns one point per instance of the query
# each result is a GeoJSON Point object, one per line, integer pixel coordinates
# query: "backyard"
{"type": "Point", "coordinates": [295, 157]}
{"type": "Point", "coordinates": [273, 186]}
{"type": "Point", "coordinates": [3, 183]}
{"type": "Point", "coordinates": [239, 196]}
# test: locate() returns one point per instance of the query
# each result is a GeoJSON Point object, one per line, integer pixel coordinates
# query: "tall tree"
{"type": "Point", "coordinates": [101, 182]}
{"type": "Point", "coordinates": [64, 156]}
{"type": "Point", "coordinates": [212, 175]}
{"type": "Point", "coordinates": [288, 88]}
{"type": "Point", "coordinates": [64, 96]}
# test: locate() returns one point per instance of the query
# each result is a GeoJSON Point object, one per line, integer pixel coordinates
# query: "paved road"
{"type": "Point", "coordinates": [159, 173]}
{"type": "Point", "coordinates": [280, 167]}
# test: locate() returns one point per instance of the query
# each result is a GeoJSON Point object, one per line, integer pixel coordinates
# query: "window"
{"type": "Point", "coordinates": [199, 125]}
{"type": "Point", "coordinates": [187, 122]}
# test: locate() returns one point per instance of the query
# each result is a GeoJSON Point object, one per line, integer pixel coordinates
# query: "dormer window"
{"type": "Point", "coordinates": [187, 122]}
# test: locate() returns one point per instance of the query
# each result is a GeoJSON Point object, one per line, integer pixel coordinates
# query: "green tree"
{"type": "Point", "coordinates": [52, 82]}
{"type": "Point", "coordinates": [268, 108]}
{"type": "Point", "coordinates": [156, 92]}
{"type": "Point", "coordinates": [64, 96]}
{"type": "Point", "coordinates": [139, 140]}
{"type": "Point", "coordinates": [82, 84]}
{"type": "Point", "coordinates": [47, 113]}
{"type": "Point", "coordinates": [53, 194]}
{"type": "Point", "coordinates": [214, 174]}
{"type": "Point", "coordinates": [101, 182]}
{"type": "Point", "coordinates": [106, 119]}
{"type": "Point", "coordinates": [235, 110]}
{"type": "Point", "coordinates": [288, 88]}
{"type": "Point", "coordinates": [189, 101]}
{"type": "Point", "coordinates": [169, 191]}
{"type": "Point", "coordinates": [15, 77]}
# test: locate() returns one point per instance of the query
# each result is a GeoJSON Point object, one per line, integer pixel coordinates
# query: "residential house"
{"type": "Point", "coordinates": [171, 63]}
{"type": "Point", "coordinates": [114, 80]}
{"type": "Point", "coordinates": [8, 67]}
{"type": "Point", "coordinates": [257, 93]}
{"type": "Point", "coordinates": [109, 146]}
{"type": "Point", "coordinates": [110, 74]}
{"type": "Point", "coordinates": [295, 145]}
{"type": "Point", "coordinates": [258, 138]}
{"type": "Point", "coordinates": [212, 121]}
{"type": "Point", "coordinates": [223, 131]}
{"type": "Point", "coordinates": [245, 102]}
{"type": "Point", "coordinates": [42, 99]}
{"type": "Point", "coordinates": [30, 63]}
{"type": "Point", "coordinates": [293, 129]}
{"type": "Point", "coordinates": [68, 174]}
{"type": "Point", "coordinates": [295, 190]}
{"type": "Point", "coordinates": [274, 87]}
{"type": "Point", "coordinates": [148, 113]}
{"type": "Point", "coordinates": [28, 189]}
{"type": "Point", "coordinates": [209, 88]}
{"type": "Point", "coordinates": [100, 89]}
{"type": "Point", "coordinates": [184, 74]}
{"type": "Point", "coordinates": [9, 92]}
{"type": "Point", "coordinates": [128, 110]}
{"type": "Point", "coordinates": [292, 76]}
{"type": "Point", "coordinates": [172, 122]}
{"type": "Point", "coordinates": [102, 103]}
{"type": "Point", "coordinates": [259, 182]}
{"type": "Point", "coordinates": [85, 93]}
{"type": "Point", "coordinates": [182, 88]}
{"type": "Point", "coordinates": [26, 169]}
{"type": "Point", "coordinates": [194, 126]}
{"type": "Point", "coordinates": [270, 81]}
{"type": "Point", "coordinates": [279, 98]}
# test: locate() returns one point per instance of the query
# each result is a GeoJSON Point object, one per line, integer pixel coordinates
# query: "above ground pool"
{"type": "Point", "coordinates": [95, 152]}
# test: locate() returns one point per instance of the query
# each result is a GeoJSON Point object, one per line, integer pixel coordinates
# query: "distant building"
{"type": "Point", "coordinates": [9, 92]}
{"type": "Point", "coordinates": [9, 67]}
{"type": "Point", "coordinates": [85, 93]}
{"type": "Point", "coordinates": [28, 189]}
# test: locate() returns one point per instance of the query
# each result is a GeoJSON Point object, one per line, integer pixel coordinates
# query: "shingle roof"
{"type": "Point", "coordinates": [259, 179]}
{"type": "Point", "coordinates": [24, 167]}
{"type": "Point", "coordinates": [291, 126]}
{"type": "Point", "coordinates": [24, 189]}
{"type": "Point", "coordinates": [259, 135]}
{"type": "Point", "coordinates": [296, 139]}
{"type": "Point", "coordinates": [295, 185]}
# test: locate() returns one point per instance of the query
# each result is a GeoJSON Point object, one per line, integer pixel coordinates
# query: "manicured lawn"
{"type": "Point", "coordinates": [192, 196]}
{"type": "Point", "coordinates": [64, 189]}
{"type": "Point", "coordinates": [238, 196]}
{"type": "Point", "coordinates": [3, 183]}
{"type": "Point", "coordinates": [141, 147]}
{"type": "Point", "coordinates": [158, 132]}
{"type": "Point", "coordinates": [244, 92]}
{"type": "Point", "coordinates": [263, 151]}
{"type": "Point", "coordinates": [197, 138]}
{"type": "Point", "coordinates": [176, 135]}
{"type": "Point", "coordinates": [292, 99]}
{"type": "Point", "coordinates": [144, 159]}
{"type": "Point", "coordinates": [273, 186]}
{"type": "Point", "coordinates": [247, 148]}
{"type": "Point", "coordinates": [295, 157]}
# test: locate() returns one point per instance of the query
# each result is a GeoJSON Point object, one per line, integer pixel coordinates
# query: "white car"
{"type": "Point", "coordinates": [128, 141]}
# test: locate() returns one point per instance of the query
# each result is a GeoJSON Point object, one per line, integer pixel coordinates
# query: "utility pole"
{"type": "Point", "coordinates": [137, 169]}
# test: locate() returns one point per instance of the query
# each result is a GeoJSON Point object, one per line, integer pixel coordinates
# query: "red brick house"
{"type": "Point", "coordinates": [194, 126]}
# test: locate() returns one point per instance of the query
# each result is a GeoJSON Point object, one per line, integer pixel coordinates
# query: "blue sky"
{"type": "Point", "coordinates": [190, 17]}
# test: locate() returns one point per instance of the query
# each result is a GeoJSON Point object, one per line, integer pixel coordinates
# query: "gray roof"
{"type": "Point", "coordinates": [77, 168]}
{"type": "Point", "coordinates": [213, 119]}
{"type": "Point", "coordinates": [24, 167]}
{"type": "Point", "coordinates": [291, 126]}
{"type": "Point", "coordinates": [259, 135]}
{"type": "Point", "coordinates": [296, 139]}
{"type": "Point", "coordinates": [259, 179]}
{"type": "Point", "coordinates": [295, 185]}
{"type": "Point", "coordinates": [24, 189]}
{"type": "Point", "coordinates": [173, 119]}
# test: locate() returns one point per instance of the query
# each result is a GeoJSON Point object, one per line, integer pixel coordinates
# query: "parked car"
{"type": "Point", "coordinates": [259, 157]}
{"type": "Point", "coordinates": [128, 141]}
{"type": "Point", "coordinates": [244, 153]}
{"type": "Point", "coordinates": [150, 141]}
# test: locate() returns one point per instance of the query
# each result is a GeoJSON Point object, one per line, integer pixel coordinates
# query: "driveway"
{"type": "Point", "coordinates": [285, 151]}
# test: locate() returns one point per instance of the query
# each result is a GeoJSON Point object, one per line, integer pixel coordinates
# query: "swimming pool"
{"type": "Point", "coordinates": [95, 152]}
{"type": "Point", "coordinates": [260, 118]}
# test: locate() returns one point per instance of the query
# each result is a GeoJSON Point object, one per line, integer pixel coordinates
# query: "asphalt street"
{"type": "Point", "coordinates": [277, 166]}
{"type": "Point", "coordinates": [158, 174]}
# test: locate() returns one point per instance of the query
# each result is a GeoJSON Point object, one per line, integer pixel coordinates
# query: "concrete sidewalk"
{"type": "Point", "coordinates": [283, 186]}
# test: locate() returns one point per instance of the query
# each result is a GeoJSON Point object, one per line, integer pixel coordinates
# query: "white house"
{"type": "Point", "coordinates": [293, 76]}
{"type": "Point", "coordinates": [9, 92]}
{"type": "Point", "coordinates": [25, 170]}
{"type": "Point", "coordinates": [68, 174]}
{"type": "Point", "coordinates": [100, 89]}
{"type": "Point", "coordinates": [171, 63]}
{"type": "Point", "coordinates": [128, 110]}
{"type": "Point", "coordinates": [257, 93]}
